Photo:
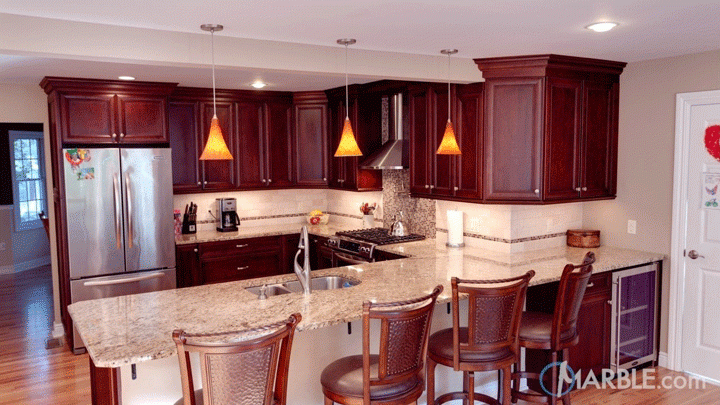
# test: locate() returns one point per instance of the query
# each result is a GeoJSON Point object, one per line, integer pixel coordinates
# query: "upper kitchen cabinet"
{"type": "Point", "coordinates": [95, 112]}
{"type": "Point", "coordinates": [445, 176]}
{"type": "Point", "coordinates": [344, 171]}
{"type": "Point", "coordinates": [256, 127]}
{"type": "Point", "coordinates": [550, 128]}
{"type": "Point", "coordinates": [310, 152]}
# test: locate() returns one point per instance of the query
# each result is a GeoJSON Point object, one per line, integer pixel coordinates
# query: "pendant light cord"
{"type": "Point", "coordinates": [347, 98]}
{"type": "Point", "coordinates": [212, 42]}
{"type": "Point", "coordinates": [448, 77]}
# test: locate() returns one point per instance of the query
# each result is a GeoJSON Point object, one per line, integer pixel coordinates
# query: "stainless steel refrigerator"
{"type": "Point", "coordinates": [120, 224]}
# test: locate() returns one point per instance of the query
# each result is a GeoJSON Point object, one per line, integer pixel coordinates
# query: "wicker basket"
{"type": "Point", "coordinates": [583, 238]}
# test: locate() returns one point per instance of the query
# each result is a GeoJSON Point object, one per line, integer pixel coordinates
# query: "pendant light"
{"type": "Point", "coordinates": [448, 145]}
{"type": "Point", "coordinates": [215, 148]}
{"type": "Point", "coordinates": [348, 145]}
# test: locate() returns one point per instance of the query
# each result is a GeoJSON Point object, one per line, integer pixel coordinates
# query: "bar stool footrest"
{"type": "Point", "coordinates": [450, 396]}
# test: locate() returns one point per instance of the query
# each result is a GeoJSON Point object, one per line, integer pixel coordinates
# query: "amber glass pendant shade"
{"type": "Point", "coordinates": [215, 148]}
{"type": "Point", "coordinates": [449, 145]}
{"type": "Point", "coordinates": [348, 145]}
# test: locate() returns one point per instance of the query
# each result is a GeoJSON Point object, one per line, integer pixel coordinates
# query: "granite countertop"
{"type": "Point", "coordinates": [136, 328]}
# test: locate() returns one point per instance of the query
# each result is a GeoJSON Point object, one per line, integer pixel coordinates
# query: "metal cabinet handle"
{"type": "Point", "coordinates": [114, 135]}
{"type": "Point", "coordinates": [243, 268]}
{"type": "Point", "coordinates": [427, 186]}
{"type": "Point", "coordinates": [199, 183]}
{"type": "Point", "coordinates": [205, 183]}
{"type": "Point", "coordinates": [584, 189]}
{"type": "Point", "coordinates": [269, 181]}
{"type": "Point", "coordinates": [241, 246]}
{"type": "Point", "coordinates": [264, 181]}
{"type": "Point", "coordinates": [122, 135]}
{"type": "Point", "coordinates": [456, 188]}
{"type": "Point", "coordinates": [324, 179]}
{"type": "Point", "coordinates": [590, 285]}
{"type": "Point", "coordinates": [577, 189]}
{"type": "Point", "coordinates": [432, 187]}
{"type": "Point", "coordinates": [693, 254]}
{"type": "Point", "coordinates": [124, 280]}
{"type": "Point", "coordinates": [195, 250]}
{"type": "Point", "coordinates": [537, 191]}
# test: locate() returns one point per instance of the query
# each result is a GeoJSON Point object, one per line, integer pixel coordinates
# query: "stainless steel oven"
{"type": "Point", "coordinates": [342, 251]}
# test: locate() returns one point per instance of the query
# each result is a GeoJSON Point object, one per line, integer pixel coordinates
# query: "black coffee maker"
{"type": "Point", "coordinates": [226, 212]}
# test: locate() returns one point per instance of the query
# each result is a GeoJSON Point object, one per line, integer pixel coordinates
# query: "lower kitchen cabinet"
{"type": "Point", "coordinates": [230, 260]}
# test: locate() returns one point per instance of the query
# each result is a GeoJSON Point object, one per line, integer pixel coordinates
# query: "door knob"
{"type": "Point", "coordinates": [693, 254]}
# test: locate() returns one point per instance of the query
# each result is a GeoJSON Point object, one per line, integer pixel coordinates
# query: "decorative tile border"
{"type": "Point", "coordinates": [503, 240]}
{"type": "Point", "coordinates": [303, 215]}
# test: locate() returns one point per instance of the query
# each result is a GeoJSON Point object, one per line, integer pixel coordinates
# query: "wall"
{"type": "Point", "coordinates": [28, 104]}
{"type": "Point", "coordinates": [645, 158]}
{"type": "Point", "coordinates": [6, 256]}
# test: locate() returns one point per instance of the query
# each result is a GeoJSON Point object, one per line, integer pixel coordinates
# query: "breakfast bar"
{"type": "Point", "coordinates": [133, 357]}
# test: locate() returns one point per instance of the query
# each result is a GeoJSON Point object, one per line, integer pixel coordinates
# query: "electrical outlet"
{"type": "Point", "coordinates": [632, 226]}
{"type": "Point", "coordinates": [550, 223]}
{"type": "Point", "coordinates": [474, 225]}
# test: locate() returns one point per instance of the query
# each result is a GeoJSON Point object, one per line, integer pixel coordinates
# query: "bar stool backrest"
{"type": "Point", "coordinates": [249, 371]}
{"type": "Point", "coordinates": [569, 297]}
{"type": "Point", "coordinates": [494, 311]}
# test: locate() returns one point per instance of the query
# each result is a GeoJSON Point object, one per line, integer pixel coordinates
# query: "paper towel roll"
{"type": "Point", "coordinates": [455, 228]}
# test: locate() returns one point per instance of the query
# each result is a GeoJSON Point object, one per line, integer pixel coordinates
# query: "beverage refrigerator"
{"type": "Point", "coordinates": [120, 223]}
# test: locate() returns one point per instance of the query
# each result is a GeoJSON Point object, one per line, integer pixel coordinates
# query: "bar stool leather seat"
{"type": "Point", "coordinates": [536, 327]}
{"type": "Point", "coordinates": [441, 346]}
{"type": "Point", "coordinates": [345, 377]}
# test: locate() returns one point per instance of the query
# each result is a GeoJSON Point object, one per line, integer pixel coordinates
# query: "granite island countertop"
{"type": "Point", "coordinates": [136, 328]}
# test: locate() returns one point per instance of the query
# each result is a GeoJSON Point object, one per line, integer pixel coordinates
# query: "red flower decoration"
{"type": "Point", "coordinates": [712, 141]}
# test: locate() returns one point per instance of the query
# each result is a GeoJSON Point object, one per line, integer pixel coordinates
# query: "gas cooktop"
{"type": "Point", "coordinates": [379, 236]}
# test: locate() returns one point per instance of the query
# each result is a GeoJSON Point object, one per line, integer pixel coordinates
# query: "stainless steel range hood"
{"type": "Point", "coordinates": [393, 154]}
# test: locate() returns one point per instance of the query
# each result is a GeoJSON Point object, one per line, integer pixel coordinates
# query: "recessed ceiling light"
{"type": "Point", "coordinates": [258, 84]}
{"type": "Point", "coordinates": [128, 78]}
{"type": "Point", "coordinates": [602, 26]}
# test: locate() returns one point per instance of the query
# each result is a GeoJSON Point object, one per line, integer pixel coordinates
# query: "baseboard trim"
{"type": "Point", "coordinates": [663, 359]}
{"type": "Point", "coordinates": [58, 330]}
{"type": "Point", "coordinates": [32, 264]}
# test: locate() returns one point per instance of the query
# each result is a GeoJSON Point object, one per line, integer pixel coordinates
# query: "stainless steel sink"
{"type": "Point", "coordinates": [316, 283]}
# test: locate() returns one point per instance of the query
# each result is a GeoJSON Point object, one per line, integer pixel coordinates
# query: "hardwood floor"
{"type": "Point", "coordinates": [31, 374]}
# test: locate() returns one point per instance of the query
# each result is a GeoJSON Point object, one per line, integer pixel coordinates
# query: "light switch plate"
{"type": "Point", "coordinates": [632, 226]}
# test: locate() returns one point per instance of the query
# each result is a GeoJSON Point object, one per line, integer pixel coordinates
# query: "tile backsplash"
{"type": "Point", "coordinates": [502, 228]}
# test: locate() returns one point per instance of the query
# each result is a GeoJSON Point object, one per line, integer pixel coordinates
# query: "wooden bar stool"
{"type": "Point", "coordinates": [395, 374]}
{"type": "Point", "coordinates": [555, 332]}
{"type": "Point", "coordinates": [252, 371]}
{"type": "Point", "coordinates": [489, 342]}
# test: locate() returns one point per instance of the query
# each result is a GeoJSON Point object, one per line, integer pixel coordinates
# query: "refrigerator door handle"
{"type": "Point", "coordinates": [128, 196]}
{"type": "Point", "coordinates": [118, 212]}
{"type": "Point", "coordinates": [124, 280]}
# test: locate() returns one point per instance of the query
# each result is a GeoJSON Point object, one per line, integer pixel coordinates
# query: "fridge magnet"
{"type": "Point", "coordinates": [712, 141]}
{"type": "Point", "coordinates": [77, 156]}
{"type": "Point", "coordinates": [710, 191]}
{"type": "Point", "coordinates": [86, 174]}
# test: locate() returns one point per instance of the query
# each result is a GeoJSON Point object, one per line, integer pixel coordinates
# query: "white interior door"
{"type": "Point", "coordinates": [699, 259]}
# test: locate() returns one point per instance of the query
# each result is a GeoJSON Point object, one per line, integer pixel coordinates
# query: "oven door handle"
{"type": "Point", "coordinates": [350, 259]}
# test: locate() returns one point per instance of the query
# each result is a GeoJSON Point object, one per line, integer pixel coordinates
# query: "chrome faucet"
{"type": "Point", "coordinates": [303, 273]}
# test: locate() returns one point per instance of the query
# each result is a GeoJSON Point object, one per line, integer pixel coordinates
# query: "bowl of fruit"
{"type": "Point", "coordinates": [317, 217]}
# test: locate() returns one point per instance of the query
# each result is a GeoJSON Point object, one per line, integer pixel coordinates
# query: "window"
{"type": "Point", "coordinates": [28, 177]}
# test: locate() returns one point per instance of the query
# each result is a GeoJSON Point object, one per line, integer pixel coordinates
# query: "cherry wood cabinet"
{"type": "Point", "coordinates": [344, 171]}
{"type": "Point", "coordinates": [256, 127]}
{"type": "Point", "coordinates": [445, 176]}
{"type": "Point", "coordinates": [550, 128]}
{"type": "Point", "coordinates": [310, 141]}
{"type": "Point", "coordinates": [97, 112]}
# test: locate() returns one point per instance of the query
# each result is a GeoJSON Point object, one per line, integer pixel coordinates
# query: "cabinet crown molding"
{"type": "Point", "coordinates": [545, 65]}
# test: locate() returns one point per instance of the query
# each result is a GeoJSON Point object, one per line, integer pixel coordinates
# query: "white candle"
{"type": "Point", "coordinates": [455, 228]}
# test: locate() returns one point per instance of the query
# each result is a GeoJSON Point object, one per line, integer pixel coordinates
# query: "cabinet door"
{"type": "Point", "coordinates": [188, 266]}
{"type": "Point", "coordinates": [562, 139]}
{"type": "Point", "coordinates": [143, 119]}
{"type": "Point", "coordinates": [337, 165]}
{"type": "Point", "coordinates": [593, 326]}
{"type": "Point", "coordinates": [468, 130]}
{"type": "Point", "coordinates": [251, 157]}
{"type": "Point", "coordinates": [420, 164]}
{"type": "Point", "coordinates": [443, 166]}
{"type": "Point", "coordinates": [311, 144]}
{"type": "Point", "coordinates": [88, 118]}
{"type": "Point", "coordinates": [184, 135]}
{"type": "Point", "coordinates": [600, 139]}
{"type": "Point", "coordinates": [513, 139]}
{"type": "Point", "coordinates": [219, 174]}
{"type": "Point", "coordinates": [278, 143]}
{"type": "Point", "coordinates": [350, 164]}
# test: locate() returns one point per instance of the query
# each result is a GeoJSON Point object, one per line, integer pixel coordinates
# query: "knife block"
{"type": "Point", "coordinates": [189, 226]}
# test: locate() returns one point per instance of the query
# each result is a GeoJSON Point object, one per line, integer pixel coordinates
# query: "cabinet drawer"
{"type": "Point", "coordinates": [239, 246]}
{"type": "Point", "coordinates": [222, 269]}
{"type": "Point", "coordinates": [599, 283]}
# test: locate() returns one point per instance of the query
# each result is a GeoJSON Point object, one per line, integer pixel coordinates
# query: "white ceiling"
{"type": "Point", "coordinates": [648, 29]}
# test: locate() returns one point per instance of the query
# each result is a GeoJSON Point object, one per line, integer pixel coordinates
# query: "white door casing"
{"type": "Point", "coordinates": [694, 330]}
